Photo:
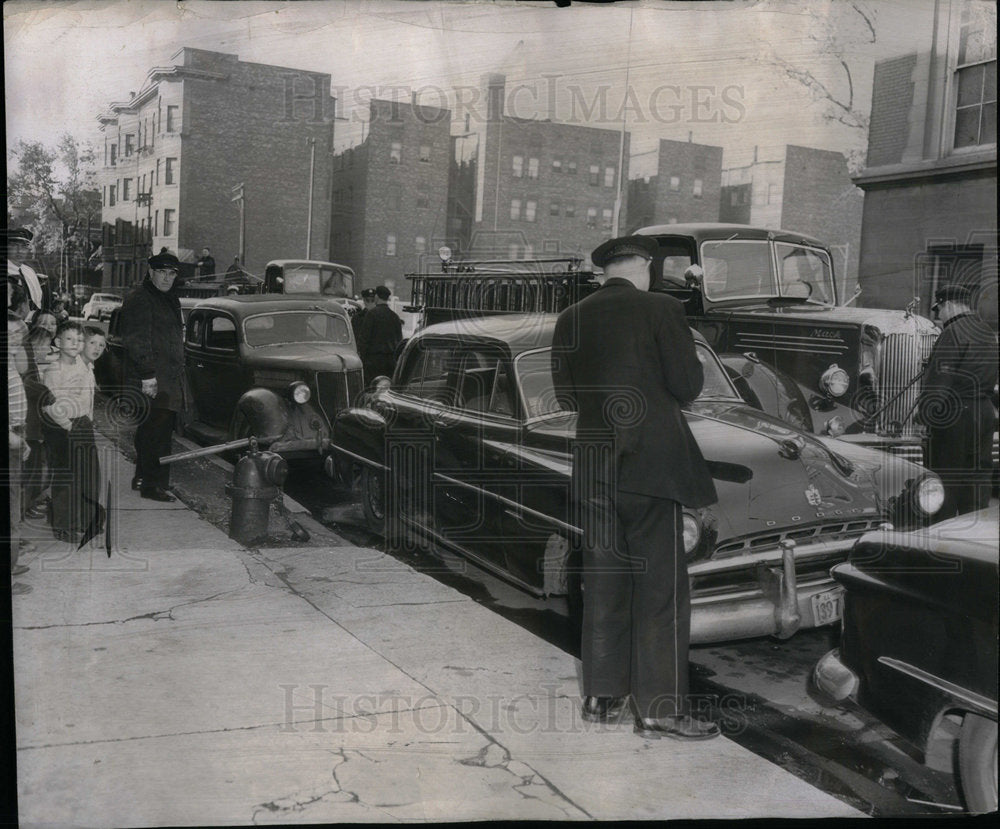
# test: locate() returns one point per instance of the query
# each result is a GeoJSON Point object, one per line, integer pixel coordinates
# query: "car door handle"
{"type": "Point", "coordinates": [199, 365]}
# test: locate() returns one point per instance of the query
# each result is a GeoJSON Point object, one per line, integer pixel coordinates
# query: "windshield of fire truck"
{"type": "Point", "coordinates": [745, 269]}
{"type": "Point", "coordinates": [315, 278]}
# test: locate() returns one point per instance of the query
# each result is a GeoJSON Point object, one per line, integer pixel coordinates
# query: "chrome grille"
{"type": "Point", "coordinates": [819, 532]}
{"type": "Point", "coordinates": [901, 362]}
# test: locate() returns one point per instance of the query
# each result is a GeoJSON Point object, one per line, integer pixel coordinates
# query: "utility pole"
{"type": "Point", "coordinates": [309, 214]}
{"type": "Point", "coordinates": [237, 197]}
{"type": "Point", "coordinates": [621, 144]}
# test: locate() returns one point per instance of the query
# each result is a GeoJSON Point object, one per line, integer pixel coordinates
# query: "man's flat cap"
{"type": "Point", "coordinates": [368, 293]}
{"type": "Point", "coordinates": [644, 246]}
{"type": "Point", "coordinates": [16, 234]}
{"type": "Point", "coordinates": [953, 293]}
{"type": "Point", "coordinates": [164, 261]}
{"type": "Point", "coordinates": [382, 292]}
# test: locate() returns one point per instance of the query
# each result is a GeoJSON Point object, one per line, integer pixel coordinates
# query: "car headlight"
{"type": "Point", "coordinates": [692, 532]}
{"type": "Point", "coordinates": [835, 426]}
{"type": "Point", "coordinates": [930, 495]}
{"type": "Point", "coordinates": [834, 381]}
{"type": "Point", "coordinates": [300, 392]}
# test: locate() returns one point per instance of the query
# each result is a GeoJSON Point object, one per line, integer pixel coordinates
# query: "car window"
{"type": "Point", "coordinates": [737, 268]}
{"type": "Point", "coordinates": [221, 334]}
{"type": "Point", "coordinates": [195, 327]}
{"type": "Point", "coordinates": [296, 327]}
{"type": "Point", "coordinates": [717, 384]}
{"type": "Point", "coordinates": [428, 371]}
{"type": "Point", "coordinates": [804, 272]}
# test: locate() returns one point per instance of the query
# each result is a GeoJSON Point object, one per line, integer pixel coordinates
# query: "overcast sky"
{"type": "Point", "coordinates": [699, 70]}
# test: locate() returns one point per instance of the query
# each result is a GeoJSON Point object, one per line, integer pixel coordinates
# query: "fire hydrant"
{"type": "Point", "coordinates": [256, 479]}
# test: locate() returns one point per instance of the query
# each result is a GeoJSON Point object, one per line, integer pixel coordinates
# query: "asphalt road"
{"type": "Point", "coordinates": [757, 689]}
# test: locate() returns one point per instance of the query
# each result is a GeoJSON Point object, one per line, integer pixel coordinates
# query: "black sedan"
{"type": "Point", "coordinates": [919, 641]}
{"type": "Point", "coordinates": [469, 449]}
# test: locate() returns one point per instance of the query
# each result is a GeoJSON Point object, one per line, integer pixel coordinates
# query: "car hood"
{"type": "Point", "coordinates": [886, 321]}
{"type": "Point", "coordinates": [302, 356]}
{"type": "Point", "coordinates": [769, 476]}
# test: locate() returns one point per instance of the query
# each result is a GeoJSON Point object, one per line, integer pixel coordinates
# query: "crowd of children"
{"type": "Point", "coordinates": [54, 466]}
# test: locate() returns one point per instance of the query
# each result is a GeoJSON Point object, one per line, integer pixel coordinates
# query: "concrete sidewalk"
{"type": "Point", "coordinates": [188, 681]}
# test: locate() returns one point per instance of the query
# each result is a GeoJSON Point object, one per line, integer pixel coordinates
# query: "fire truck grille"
{"type": "Point", "coordinates": [902, 363]}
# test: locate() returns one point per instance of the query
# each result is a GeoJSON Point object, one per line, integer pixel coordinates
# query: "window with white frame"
{"type": "Point", "coordinates": [517, 166]}
{"type": "Point", "coordinates": [595, 173]}
{"type": "Point", "coordinates": [530, 208]}
{"type": "Point", "coordinates": [609, 176]}
{"type": "Point", "coordinates": [515, 209]}
{"type": "Point", "coordinates": [390, 244]}
{"type": "Point", "coordinates": [591, 217]}
{"type": "Point", "coordinates": [606, 218]}
{"type": "Point", "coordinates": [173, 123]}
{"type": "Point", "coordinates": [554, 208]}
{"type": "Point", "coordinates": [976, 76]}
{"type": "Point", "coordinates": [425, 153]}
{"type": "Point", "coordinates": [532, 168]}
{"type": "Point", "coordinates": [696, 188]}
{"type": "Point", "coordinates": [170, 171]}
{"type": "Point", "coordinates": [675, 183]}
{"type": "Point", "coordinates": [126, 189]}
{"type": "Point", "coordinates": [168, 222]}
{"type": "Point", "coordinates": [420, 244]}
{"type": "Point", "coordinates": [396, 152]}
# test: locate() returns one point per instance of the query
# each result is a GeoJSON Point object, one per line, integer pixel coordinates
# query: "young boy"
{"type": "Point", "coordinates": [94, 343]}
{"type": "Point", "coordinates": [69, 435]}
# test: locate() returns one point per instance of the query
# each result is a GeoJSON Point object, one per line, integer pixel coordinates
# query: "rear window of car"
{"type": "Point", "coordinates": [296, 327]}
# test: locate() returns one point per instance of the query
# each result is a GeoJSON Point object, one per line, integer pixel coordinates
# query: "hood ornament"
{"type": "Point", "coordinates": [813, 495]}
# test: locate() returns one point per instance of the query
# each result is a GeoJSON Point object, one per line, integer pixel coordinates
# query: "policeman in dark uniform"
{"type": "Point", "coordinates": [381, 333]}
{"type": "Point", "coordinates": [956, 402]}
{"type": "Point", "coordinates": [625, 360]}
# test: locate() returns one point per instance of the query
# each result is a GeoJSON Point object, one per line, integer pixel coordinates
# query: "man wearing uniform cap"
{"type": "Point", "coordinates": [18, 242]}
{"type": "Point", "coordinates": [956, 402]}
{"type": "Point", "coordinates": [153, 333]}
{"type": "Point", "coordinates": [381, 333]}
{"type": "Point", "coordinates": [625, 360]}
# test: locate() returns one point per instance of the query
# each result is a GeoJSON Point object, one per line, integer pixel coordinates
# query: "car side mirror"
{"type": "Point", "coordinates": [694, 276]}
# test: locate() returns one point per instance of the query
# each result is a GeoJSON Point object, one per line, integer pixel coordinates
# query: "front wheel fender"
{"type": "Point", "coordinates": [260, 412]}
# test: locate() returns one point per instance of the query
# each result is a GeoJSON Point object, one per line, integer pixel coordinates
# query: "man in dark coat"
{"type": "Point", "coordinates": [153, 333]}
{"type": "Point", "coordinates": [357, 321]}
{"type": "Point", "coordinates": [956, 402]}
{"type": "Point", "coordinates": [625, 360]}
{"type": "Point", "coordinates": [381, 332]}
{"type": "Point", "coordinates": [205, 264]}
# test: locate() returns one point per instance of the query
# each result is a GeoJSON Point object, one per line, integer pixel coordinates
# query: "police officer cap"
{"type": "Point", "coordinates": [383, 292]}
{"type": "Point", "coordinates": [19, 234]}
{"type": "Point", "coordinates": [368, 293]}
{"type": "Point", "coordinates": [644, 246]}
{"type": "Point", "coordinates": [164, 261]}
{"type": "Point", "coordinates": [953, 293]}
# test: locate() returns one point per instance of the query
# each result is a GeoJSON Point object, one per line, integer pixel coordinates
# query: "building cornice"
{"type": "Point", "coordinates": [938, 169]}
{"type": "Point", "coordinates": [151, 85]}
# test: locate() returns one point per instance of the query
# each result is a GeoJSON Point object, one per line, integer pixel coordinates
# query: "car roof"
{"type": "Point", "coordinates": [520, 332]}
{"type": "Point", "coordinates": [702, 231]}
{"type": "Point", "coordinates": [283, 262]}
{"type": "Point", "coordinates": [243, 305]}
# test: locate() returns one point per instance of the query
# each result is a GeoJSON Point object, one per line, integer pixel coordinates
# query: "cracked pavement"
{"type": "Point", "coordinates": [187, 681]}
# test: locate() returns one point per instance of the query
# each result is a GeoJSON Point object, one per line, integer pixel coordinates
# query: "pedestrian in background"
{"type": "Point", "coordinates": [37, 471]}
{"type": "Point", "coordinates": [153, 334]}
{"type": "Point", "coordinates": [69, 435]}
{"type": "Point", "coordinates": [956, 402]}
{"type": "Point", "coordinates": [381, 332]}
{"type": "Point", "coordinates": [367, 303]}
{"type": "Point", "coordinates": [625, 360]}
{"type": "Point", "coordinates": [205, 263]}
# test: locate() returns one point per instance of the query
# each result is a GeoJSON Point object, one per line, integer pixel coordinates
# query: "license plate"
{"type": "Point", "coordinates": [827, 607]}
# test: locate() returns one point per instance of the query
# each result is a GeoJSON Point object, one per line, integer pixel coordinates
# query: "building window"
{"type": "Point", "coordinates": [168, 222]}
{"type": "Point", "coordinates": [168, 176]}
{"type": "Point", "coordinates": [126, 189]}
{"type": "Point", "coordinates": [556, 165]}
{"type": "Point", "coordinates": [529, 211]}
{"type": "Point", "coordinates": [550, 246]}
{"type": "Point", "coordinates": [156, 223]}
{"type": "Point", "coordinates": [976, 76]}
{"type": "Point", "coordinates": [422, 198]}
{"type": "Point", "coordinates": [518, 166]}
{"type": "Point", "coordinates": [532, 168]}
{"type": "Point", "coordinates": [591, 217]}
{"type": "Point", "coordinates": [425, 153]}
{"type": "Point", "coordinates": [571, 168]}
{"type": "Point", "coordinates": [606, 218]}
{"type": "Point", "coordinates": [595, 174]}
{"type": "Point", "coordinates": [772, 194]}
{"type": "Point", "coordinates": [129, 144]}
{"type": "Point", "coordinates": [114, 154]}
{"type": "Point", "coordinates": [158, 171]}
{"type": "Point", "coordinates": [173, 113]}
{"type": "Point", "coordinates": [112, 195]}
{"type": "Point", "coordinates": [675, 183]}
{"type": "Point", "coordinates": [396, 152]}
{"type": "Point", "coordinates": [390, 245]}
{"type": "Point", "coordinates": [554, 208]}
{"type": "Point", "coordinates": [609, 176]}
{"type": "Point", "coordinates": [696, 188]}
{"type": "Point", "coordinates": [569, 211]}
{"type": "Point", "coordinates": [513, 250]}
{"type": "Point", "coordinates": [515, 209]}
{"type": "Point", "coordinates": [395, 197]}
{"type": "Point", "coordinates": [420, 244]}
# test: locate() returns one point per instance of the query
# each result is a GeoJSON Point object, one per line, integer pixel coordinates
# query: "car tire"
{"type": "Point", "coordinates": [373, 499]}
{"type": "Point", "coordinates": [977, 763]}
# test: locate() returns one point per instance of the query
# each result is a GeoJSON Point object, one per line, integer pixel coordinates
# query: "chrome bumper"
{"type": "Point", "coordinates": [833, 678]}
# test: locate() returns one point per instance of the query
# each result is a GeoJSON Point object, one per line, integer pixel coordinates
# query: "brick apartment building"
{"type": "Point", "coordinates": [175, 151]}
{"type": "Point", "coordinates": [542, 188]}
{"type": "Point", "coordinates": [684, 188]}
{"type": "Point", "coordinates": [802, 189]}
{"type": "Point", "coordinates": [389, 194]}
{"type": "Point", "coordinates": [930, 181]}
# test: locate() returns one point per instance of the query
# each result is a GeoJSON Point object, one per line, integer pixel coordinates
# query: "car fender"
{"type": "Point", "coordinates": [263, 412]}
{"type": "Point", "coordinates": [358, 440]}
